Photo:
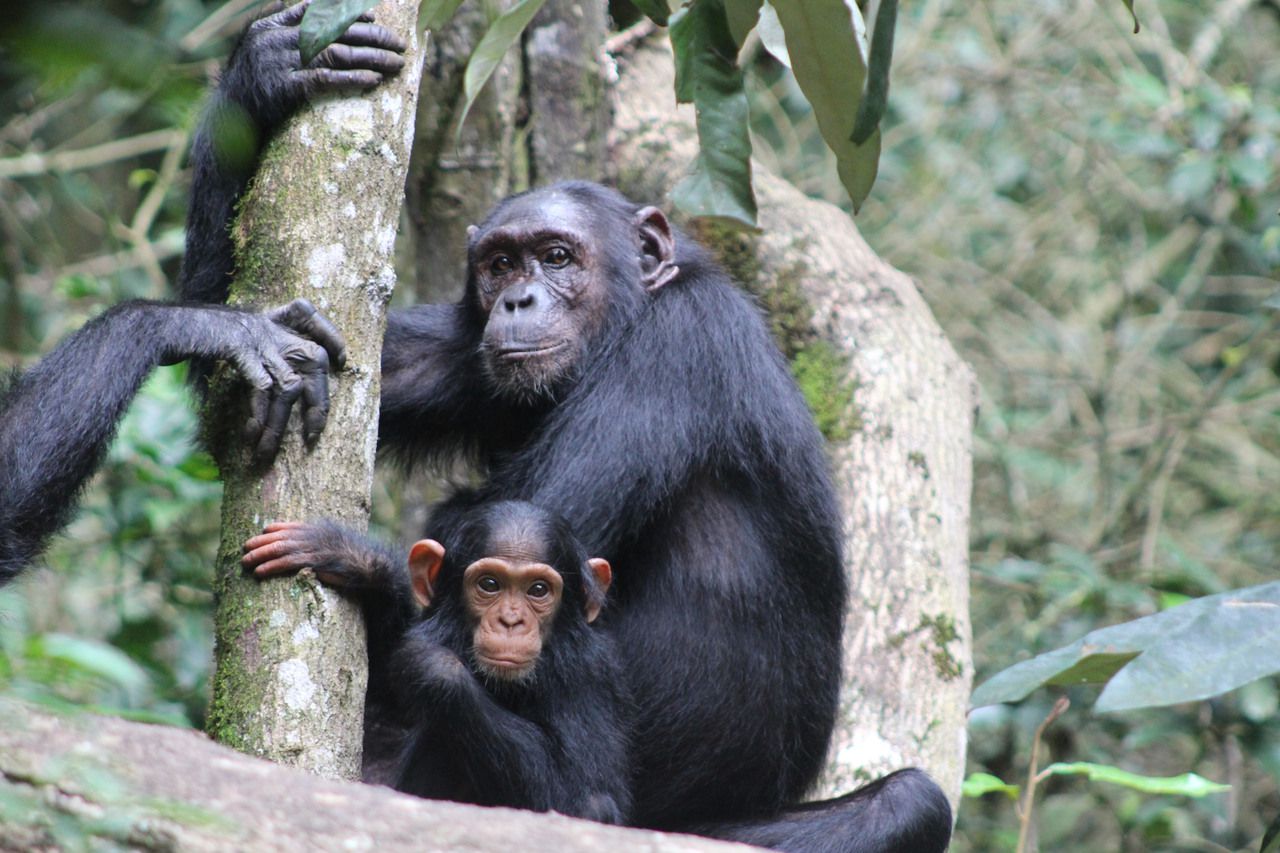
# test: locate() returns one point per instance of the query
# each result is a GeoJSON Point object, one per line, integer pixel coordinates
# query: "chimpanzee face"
{"type": "Point", "coordinates": [539, 279]}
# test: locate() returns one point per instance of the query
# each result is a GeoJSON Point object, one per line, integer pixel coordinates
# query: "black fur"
{"type": "Point", "coordinates": [556, 741]}
{"type": "Point", "coordinates": [681, 451]}
{"type": "Point", "coordinates": [57, 419]}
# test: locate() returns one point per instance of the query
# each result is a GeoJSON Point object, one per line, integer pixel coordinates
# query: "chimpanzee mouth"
{"type": "Point", "coordinates": [528, 353]}
{"type": "Point", "coordinates": [505, 668]}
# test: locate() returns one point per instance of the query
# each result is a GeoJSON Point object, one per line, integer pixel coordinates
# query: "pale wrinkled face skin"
{"type": "Point", "coordinates": [539, 279]}
{"type": "Point", "coordinates": [513, 601]}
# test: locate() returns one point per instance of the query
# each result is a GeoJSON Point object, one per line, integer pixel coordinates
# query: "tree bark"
{"type": "Point", "coordinates": [568, 112]}
{"type": "Point", "coordinates": [896, 403]}
{"type": "Point", "coordinates": [83, 782]}
{"type": "Point", "coordinates": [457, 177]}
{"type": "Point", "coordinates": [319, 221]}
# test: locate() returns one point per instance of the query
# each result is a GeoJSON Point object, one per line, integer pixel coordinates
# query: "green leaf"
{"type": "Point", "coordinates": [324, 21]}
{"type": "Point", "coordinates": [707, 75]}
{"type": "Point", "coordinates": [434, 14]}
{"type": "Point", "coordinates": [488, 54]}
{"type": "Point", "coordinates": [979, 784]}
{"type": "Point", "coordinates": [826, 40]}
{"type": "Point", "coordinates": [657, 10]}
{"type": "Point", "coordinates": [1186, 785]}
{"type": "Point", "coordinates": [1193, 651]}
{"type": "Point", "coordinates": [742, 16]}
{"type": "Point", "coordinates": [94, 658]}
{"type": "Point", "coordinates": [1222, 649]}
{"type": "Point", "coordinates": [876, 98]}
{"type": "Point", "coordinates": [772, 36]}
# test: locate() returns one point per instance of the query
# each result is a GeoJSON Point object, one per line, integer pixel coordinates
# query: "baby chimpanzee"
{"type": "Point", "coordinates": [510, 697]}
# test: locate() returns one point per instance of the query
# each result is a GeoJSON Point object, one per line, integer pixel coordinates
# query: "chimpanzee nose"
{"type": "Point", "coordinates": [517, 298]}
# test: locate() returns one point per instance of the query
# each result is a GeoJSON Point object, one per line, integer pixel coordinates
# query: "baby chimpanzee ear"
{"type": "Point", "coordinates": [425, 559]}
{"type": "Point", "coordinates": [595, 597]}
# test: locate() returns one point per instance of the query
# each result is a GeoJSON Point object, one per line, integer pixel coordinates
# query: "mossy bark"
{"type": "Point", "coordinates": [83, 782]}
{"type": "Point", "coordinates": [319, 222]}
{"type": "Point", "coordinates": [896, 405]}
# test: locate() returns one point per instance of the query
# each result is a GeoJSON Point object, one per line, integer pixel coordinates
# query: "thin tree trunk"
{"type": "Point", "coordinates": [896, 403]}
{"type": "Point", "coordinates": [456, 177]}
{"type": "Point", "coordinates": [568, 112]}
{"type": "Point", "coordinates": [320, 221]}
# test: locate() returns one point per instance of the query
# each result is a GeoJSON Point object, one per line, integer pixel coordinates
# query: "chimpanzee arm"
{"type": "Point", "coordinates": [344, 559]}
{"type": "Point", "coordinates": [263, 85]}
{"type": "Point", "coordinates": [433, 398]}
{"type": "Point", "coordinates": [57, 419]}
{"type": "Point", "coordinates": [501, 755]}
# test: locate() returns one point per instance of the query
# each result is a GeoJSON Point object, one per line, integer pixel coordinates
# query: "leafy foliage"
{"type": "Point", "coordinates": [707, 76]}
{"type": "Point", "coordinates": [1196, 650]}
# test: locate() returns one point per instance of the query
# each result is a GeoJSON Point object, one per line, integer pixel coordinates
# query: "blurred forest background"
{"type": "Point", "coordinates": [1093, 215]}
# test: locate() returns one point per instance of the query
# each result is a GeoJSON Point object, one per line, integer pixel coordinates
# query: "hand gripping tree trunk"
{"type": "Point", "coordinates": [319, 222]}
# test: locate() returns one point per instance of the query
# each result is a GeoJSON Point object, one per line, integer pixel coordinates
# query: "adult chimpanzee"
{"type": "Point", "coordinates": [601, 365]}
{"type": "Point", "coordinates": [512, 698]}
{"type": "Point", "coordinates": [57, 419]}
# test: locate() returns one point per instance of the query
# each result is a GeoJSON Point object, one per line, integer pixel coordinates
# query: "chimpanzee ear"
{"type": "Point", "coordinates": [657, 248]}
{"type": "Point", "coordinates": [604, 576]}
{"type": "Point", "coordinates": [425, 559]}
{"type": "Point", "coordinates": [472, 231]}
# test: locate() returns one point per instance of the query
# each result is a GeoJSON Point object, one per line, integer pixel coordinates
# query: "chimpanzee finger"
{"type": "Point", "coordinates": [315, 405]}
{"type": "Point", "coordinates": [277, 526]}
{"type": "Point", "coordinates": [348, 56]}
{"type": "Point", "coordinates": [372, 35]}
{"type": "Point", "coordinates": [277, 419]}
{"type": "Point", "coordinates": [286, 565]}
{"type": "Point", "coordinates": [332, 78]}
{"type": "Point", "coordinates": [303, 317]}
{"type": "Point", "coordinates": [272, 534]}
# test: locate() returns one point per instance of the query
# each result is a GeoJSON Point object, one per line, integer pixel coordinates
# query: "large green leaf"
{"type": "Point", "coordinates": [657, 10]}
{"type": "Point", "coordinates": [324, 21]}
{"type": "Point", "coordinates": [1193, 651]}
{"type": "Point", "coordinates": [707, 75]}
{"type": "Point", "coordinates": [826, 40]}
{"type": "Point", "coordinates": [434, 14]}
{"type": "Point", "coordinates": [742, 16]}
{"type": "Point", "coordinates": [488, 54]}
{"type": "Point", "coordinates": [1186, 785]}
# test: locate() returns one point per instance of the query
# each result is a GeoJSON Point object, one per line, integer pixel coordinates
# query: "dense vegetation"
{"type": "Point", "coordinates": [1093, 216]}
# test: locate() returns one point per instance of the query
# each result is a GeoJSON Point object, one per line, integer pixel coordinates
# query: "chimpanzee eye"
{"type": "Point", "coordinates": [501, 264]}
{"type": "Point", "coordinates": [539, 589]}
{"type": "Point", "coordinates": [488, 583]}
{"type": "Point", "coordinates": [557, 257]}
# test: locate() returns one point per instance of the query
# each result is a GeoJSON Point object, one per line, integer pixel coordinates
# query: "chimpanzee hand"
{"type": "Point", "coordinates": [265, 75]}
{"type": "Point", "coordinates": [284, 354]}
{"type": "Point", "coordinates": [328, 550]}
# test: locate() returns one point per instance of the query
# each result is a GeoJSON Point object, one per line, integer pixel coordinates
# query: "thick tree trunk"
{"type": "Point", "coordinates": [896, 403]}
{"type": "Point", "coordinates": [85, 782]}
{"type": "Point", "coordinates": [320, 221]}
